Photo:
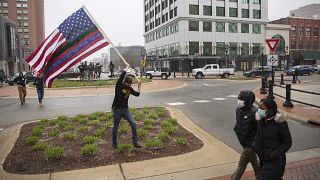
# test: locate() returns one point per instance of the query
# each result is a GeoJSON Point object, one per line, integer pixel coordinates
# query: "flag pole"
{"type": "Point", "coordinates": [106, 37]}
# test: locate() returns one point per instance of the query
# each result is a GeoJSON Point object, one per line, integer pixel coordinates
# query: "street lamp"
{"type": "Point", "coordinates": [226, 49]}
{"type": "Point", "coordinates": [201, 49]}
{"type": "Point", "coordinates": [287, 58]}
{"type": "Point", "coordinates": [214, 48]}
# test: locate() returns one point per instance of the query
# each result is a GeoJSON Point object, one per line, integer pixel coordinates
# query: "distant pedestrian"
{"type": "Point", "coordinates": [40, 87]}
{"type": "Point", "coordinates": [81, 71]}
{"type": "Point", "coordinates": [296, 74]}
{"type": "Point", "coordinates": [245, 129]}
{"type": "Point", "coordinates": [272, 141]}
{"type": "Point", "coordinates": [111, 67]}
{"type": "Point", "coordinates": [98, 70]}
{"type": "Point", "coordinates": [120, 107]}
{"type": "Point", "coordinates": [91, 69]}
{"type": "Point", "coordinates": [86, 70]}
{"type": "Point", "coordinates": [21, 82]}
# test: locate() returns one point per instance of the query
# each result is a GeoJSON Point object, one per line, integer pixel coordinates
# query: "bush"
{"type": "Point", "coordinates": [93, 116]}
{"type": "Point", "coordinates": [163, 136]}
{"type": "Point", "coordinates": [63, 118]}
{"type": "Point", "coordinates": [54, 152]}
{"type": "Point", "coordinates": [54, 133]}
{"type": "Point", "coordinates": [99, 132]}
{"type": "Point", "coordinates": [146, 109]}
{"type": "Point", "coordinates": [40, 146]}
{"type": "Point", "coordinates": [148, 122]}
{"type": "Point", "coordinates": [69, 136]}
{"type": "Point", "coordinates": [81, 116]}
{"type": "Point", "coordinates": [173, 121]}
{"type": "Point", "coordinates": [109, 124]}
{"type": "Point", "coordinates": [103, 118]}
{"type": "Point", "coordinates": [90, 139]}
{"type": "Point", "coordinates": [153, 143]}
{"type": "Point", "coordinates": [82, 129]}
{"type": "Point", "coordinates": [170, 130]}
{"type": "Point", "coordinates": [124, 147]}
{"type": "Point", "coordinates": [53, 122]}
{"type": "Point", "coordinates": [142, 132]}
{"type": "Point", "coordinates": [89, 150]}
{"type": "Point", "coordinates": [124, 128]}
{"type": "Point", "coordinates": [109, 115]}
{"type": "Point", "coordinates": [44, 121]}
{"type": "Point", "coordinates": [165, 124]}
{"type": "Point", "coordinates": [62, 123]}
{"type": "Point", "coordinates": [37, 130]}
{"type": "Point", "coordinates": [181, 141]}
{"type": "Point", "coordinates": [32, 140]}
{"type": "Point", "coordinates": [153, 115]}
{"type": "Point", "coordinates": [147, 127]}
{"type": "Point", "coordinates": [69, 127]}
{"type": "Point", "coordinates": [81, 120]}
{"type": "Point", "coordinates": [93, 122]}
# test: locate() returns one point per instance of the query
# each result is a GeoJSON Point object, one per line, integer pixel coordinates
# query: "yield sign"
{"type": "Point", "coordinates": [272, 43]}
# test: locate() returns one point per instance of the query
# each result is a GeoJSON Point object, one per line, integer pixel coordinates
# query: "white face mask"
{"type": "Point", "coordinates": [240, 103]}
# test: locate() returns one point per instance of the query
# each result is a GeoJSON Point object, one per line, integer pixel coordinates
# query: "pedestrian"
{"type": "Point", "coordinates": [91, 69]}
{"type": "Point", "coordinates": [245, 129]}
{"type": "Point", "coordinates": [296, 73]}
{"type": "Point", "coordinates": [86, 70]}
{"type": "Point", "coordinates": [272, 141]}
{"type": "Point", "coordinates": [81, 71]}
{"type": "Point", "coordinates": [40, 87]}
{"type": "Point", "coordinates": [21, 82]}
{"type": "Point", "coordinates": [111, 67]}
{"type": "Point", "coordinates": [98, 70]}
{"type": "Point", "coordinates": [120, 107]}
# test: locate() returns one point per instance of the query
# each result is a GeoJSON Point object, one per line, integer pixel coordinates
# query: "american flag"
{"type": "Point", "coordinates": [75, 39]}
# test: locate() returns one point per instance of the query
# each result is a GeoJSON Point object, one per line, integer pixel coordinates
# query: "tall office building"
{"type": "Point", "coordinates": [29, 18]}
{"type": "Point", "coordinates": [182, 34]}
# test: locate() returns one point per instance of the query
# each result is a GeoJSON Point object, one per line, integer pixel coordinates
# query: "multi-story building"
{"type": "Point", "coordinates": [28, 16]}
{"type": "Point", "coordinates": [304, 39]}
{"type": "Point", "coordinates": [308, 11]}
{"type": "Point", "coordinates": [190, 33]}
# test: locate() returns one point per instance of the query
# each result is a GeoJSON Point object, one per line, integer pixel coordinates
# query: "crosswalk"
{"type": "Point", "coordinates": [200, 101]}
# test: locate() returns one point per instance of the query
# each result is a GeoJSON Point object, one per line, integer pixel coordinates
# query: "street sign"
{"type": "Point", "coordinates": [272, 60]}
{"type": "Point", "coordinates": [143, 63]}
{"type": "Point", "coordinates": [272, 44]}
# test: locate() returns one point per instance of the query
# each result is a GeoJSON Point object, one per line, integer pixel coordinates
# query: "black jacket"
{"type": "Point", "coordinates": [21, 81]}
{"type": "Point", "coordinates": [38, 82]}
{"type": "Point", "coordinates": [122, 94]}
{"type": "Point", "coordinates": [272, 141]}
{"type": "Point", "coordinates": [246, 125]}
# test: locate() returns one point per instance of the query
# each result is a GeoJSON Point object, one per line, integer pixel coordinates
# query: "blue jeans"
{"type": "Point", "coordinates": [125, 114]}
{"type": "Point", "coordinates": [40, 94]}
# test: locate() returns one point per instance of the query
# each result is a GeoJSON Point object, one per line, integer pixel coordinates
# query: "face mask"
{"type": "Point", "coordinates": [262, 113]}
{"type": "Point", "coordinates": [240, 104]}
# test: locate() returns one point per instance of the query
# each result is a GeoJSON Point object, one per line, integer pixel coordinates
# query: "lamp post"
{"type": "Point", "coordinates": [214, 49]}
{"type": "Point", "coordinates": [226, 49]}
{"type": "Point", "coordinates": [263, 78]}
{"type": "Point", "coordinates": [287, 58]}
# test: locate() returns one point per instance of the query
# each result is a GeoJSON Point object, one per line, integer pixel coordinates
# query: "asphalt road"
{"type": "Point", "coordinates": [209, 103]}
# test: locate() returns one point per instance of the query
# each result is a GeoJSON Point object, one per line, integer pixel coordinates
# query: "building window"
{"type": "Point", "coordinates": [220, 11]}
{"type": "Point", "coordinates": [293, 31]}
{"type": "Point", "coordinates": [301, 31]}
{"type": "Point", "coordinates": [26, 30]}
{"type": "Point", "coordinates": [256, 48]}
{"type": "Point", "coordinates": [220, 48]}
{"type": "Point", "coordinates": [245, 49]}
{"type": "Point", "coordinates": [233, 12]}
{"type": "Point", "coordinates": [207, 10]}
{"type": "Point", "coordinates": [315, 31]}
{"type": "Point", "coordinates": [20, 23]}
{"type": "Point", "coordinates": [233, 49]}
{"type": "Point", "coordinates": [300, 44]}
{"type": "Point", "coordinates": [207, 48]}
{"type": "Point", "coordinates": [233, 27]}
{"type": "Point", "coordinates": [245, 13]}
{"type": "Point", "coordinates": [245, 1]}
{"type": "Point", "coordinates": [308, 32]}
{"type": "Point", "coordinates": [4, 4]}
{"type": "Point", "coordinates": [25, 11]}
{"type": "Point", "coordinates": [25, 5]}
{"type": "Point", "coordinates": [220, 27]}
{"type": "Point", "coordinates": [244, 28]}
{"type": "Point", "coordinates": [207, 26]}
{"type": "Point", "coordinates": [233, 0]}
{"type": "Point", "coordinates": [25, 24]}
{"type": "Point", "coordinates": [193, 48]}
{"type": "Point", "coordinates": [256, 29]}
{"type": "Point", "coordinates": [26, 36]}
{"type": "Point", "coordinates": [315, 44]}
{"type": "Point", "coordinates": [11, 41]}
{"type": "Point", "coordinates": [256, 1]}
{"type": "Point", "coordinates": [19, 11]}
{"type": "Point", "coordinates": [293, 45]}
{"type": "Point", "coordinates": [308, 43]}
{"type": "Point", "coordinates": [171, 13]}
{"type": "Point", "coordinates": [256, 14]}
{"type": "Point", "coordinates": [193, 9]}
{"type": "Point", "coordinates": [175, 12]}
{"type": "Point", "coordinates": [18, 5]}
{"type": "Point", "coordinates": [193, 25]}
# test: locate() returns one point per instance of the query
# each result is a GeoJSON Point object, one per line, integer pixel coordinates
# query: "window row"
{"type": "Point", "coordinates": [19, 11]}
{"type": "Point", "coordinates": [173, 13]}
{"type": "Point", "coordinates": [24, 18]}
{"type": "Point", "coordinates": [245, 1]}
{"type": "Point", "coordinates": [20, 30]}
{"type": "Point", "coordinates": [164, 4]}
{"type": "Point", "coordinates": [304, 31]}
{"type": "Point", "coordinates": [165, 17]}
{"type": "Point", "coordinates": [305, 45]}
{"type": "Point", "coordinates": [220, 11]}
{"type": "Point", "coordinates": [19, 5]}
{"type": "Point", "coordinates": [166, 31]}
{"type": "Point", "coordinates": [221, 27]}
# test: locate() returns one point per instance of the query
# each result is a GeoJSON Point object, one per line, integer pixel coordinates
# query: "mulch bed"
{"type": "Point", "coordinates": [24, 159]}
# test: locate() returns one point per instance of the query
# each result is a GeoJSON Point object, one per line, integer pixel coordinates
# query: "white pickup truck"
{"type": "Point", "coordinates": [212, 70]}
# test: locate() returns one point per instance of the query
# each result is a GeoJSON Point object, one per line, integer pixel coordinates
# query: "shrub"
{"type": "Point", "coordinates": [69, 127]}
{"type": "Point", "coordinates": [142, 132]}
{"type": "Point", "coordinates": [124, 128]}
{"type": "Point", "coordinates": [63, 118]}
{"type": "Point", "coordinates": [93, 122]}
{"type": "Point", "coordinates": [37, 130]}
{"type": "Point", "coordinates": [146, 109]}
{"type": "Point", "coordinates": [62, 123]}
{"type": "Point", "coordinates": [82, 129]}
{"type": "Point", "coordinates": [69, 136]}
{"type": "Point", "coordinates": [153, 143]}
{"type": "Point", "coordinates": [109, 115]}
{"type": "Point", "coordinates": [172, 121]}
{"type": "Point", "coordinates": [165, 124]}
{"type": "Point", "coordinates": [148, 122]}
{"type": "Point", "coordinates": [53, 122]}
{"type": "Point", "coordinates": [181, 141]}
{"type": "Point", "coordinates": [153, 115]}
{"type": "Point", "coordinates": [32, 140]}
{"type": "Point", "coordinates": [147, 127]}
{"type": "Point", "coordinates": [93, 116]}
{"type": "Point", "coordinates": [102, 118]}
{"type": "Point", "coordinates": [160, 111]}
{"type": "Point", "coordinates": [124, 147]}
{"type": "Point", "coordinates": [90, 139]}
{"type": "Point", "coordinates": [40, 146]}
{"type": "Point", "coordinates": [54, 152]}
{"type": "Point", "coordinates": [109, 124]}
{"type": "Point", "coordinates": [98, 114]}
{"type": "Point", "coordinates": [82, 116]}
{"type": "Point", "coordinates": [170, 130]}
{"type": "Point", "coordinates": [163, 136]}
{"type": "Point", "coordinates": [54, 133]}
{"type": "Point", "coordinates": [82, 120]}
{"type": "Point", "coordinates": [99, 132]}
{"type": "Point", "coordinates": [89, 150]}
{"type": "Point", "coordinates": [44, 121]}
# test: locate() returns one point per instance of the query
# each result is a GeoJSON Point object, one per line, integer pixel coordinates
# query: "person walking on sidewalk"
{"type": "Point", "coordinates": [21, 82]}
{"type": "Point", "coordinates": [40, 88]}
{"type": "Point", "coordinates": [272, 141]}
{"type": "Point", "coordinates": [111, 67]}
{"type": "Point", "coordinates": [120, 107]}
{"type": "Point", "coordinates": [296, 73]}
{"type": "Point", "coordinates": [245, 129]}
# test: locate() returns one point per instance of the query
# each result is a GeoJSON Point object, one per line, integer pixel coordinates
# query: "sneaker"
{"type": "Point", "coordinates": [137, 146]}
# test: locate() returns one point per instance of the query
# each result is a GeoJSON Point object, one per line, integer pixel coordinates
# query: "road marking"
{"type": "Point", "coordinates": [176, 104]}
{"type": "Point", "coordinates": [232, 96]}
{"type": "Point", "coordinates": [1, 129]}
{"type": "Point", "coordinates": [206, 85]}
{"type": "Point", "coordinates": [219, 99]}
{"type": "Point", "coordinates": [201, 101]}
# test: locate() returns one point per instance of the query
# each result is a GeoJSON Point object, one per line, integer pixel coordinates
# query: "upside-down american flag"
{"type": "Point", "coordinates": [75, 39]}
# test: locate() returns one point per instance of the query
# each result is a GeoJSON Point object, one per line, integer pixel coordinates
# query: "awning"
{"type": "Point", "coordinates": [307, 56]}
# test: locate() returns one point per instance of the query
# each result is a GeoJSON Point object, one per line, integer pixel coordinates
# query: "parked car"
{"type": "Point", "coordinates": [303, 69]}
{"type": "Point", "coordinates": [316, 68]}
{"type": "Point", "coordinates": [70, 73]}
{"type": "Point", "coordinates": [212, 70]}
{"type": "Point", "coordinates": [257, 71]}
{"type": "Point", "coordinates": [28, 75]}
{"type": "Point", "coordinates": [164, 73]}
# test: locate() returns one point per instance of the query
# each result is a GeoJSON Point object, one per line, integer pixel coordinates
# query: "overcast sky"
{"type": "Point", "coordinates": [122, 20]}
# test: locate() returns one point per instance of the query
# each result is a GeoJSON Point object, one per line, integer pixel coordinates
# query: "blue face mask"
{"type": "Point", "coordinates": [262, 113]}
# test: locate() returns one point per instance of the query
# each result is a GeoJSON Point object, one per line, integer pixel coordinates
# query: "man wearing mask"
{"type": "Point", "coordinates": [245, 129]}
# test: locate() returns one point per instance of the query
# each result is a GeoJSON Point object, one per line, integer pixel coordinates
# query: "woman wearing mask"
{"type": "Point", "coordinates": [272, 141]}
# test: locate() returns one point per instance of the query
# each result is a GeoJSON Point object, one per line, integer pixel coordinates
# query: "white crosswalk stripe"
{"type": "Point", "coordinates": [176, 103]}
{"type": "Point", "coordinates": [201, 101]}
{"type": "Point", "coordinates": [219, 99]}
{"type": "Point", "coordinates": [232, 96]}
